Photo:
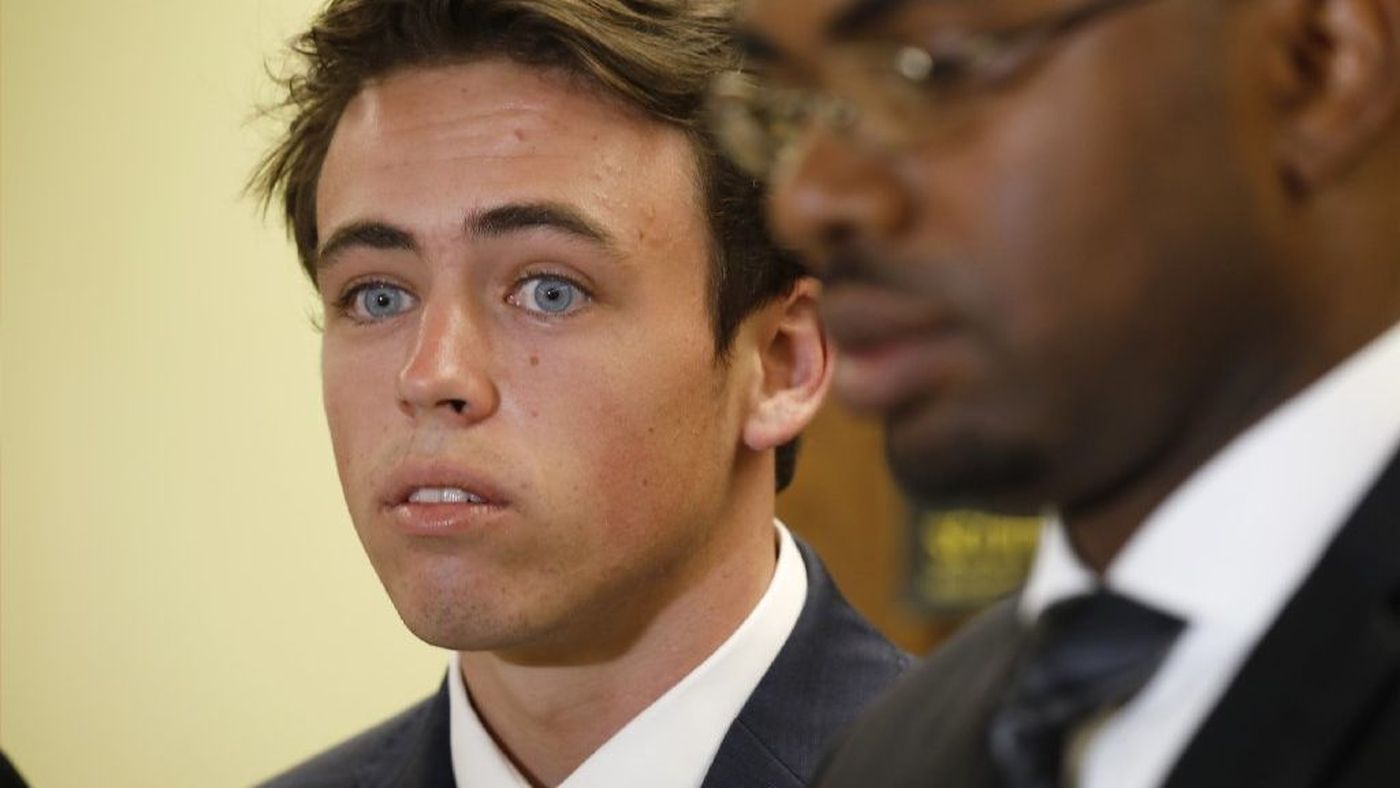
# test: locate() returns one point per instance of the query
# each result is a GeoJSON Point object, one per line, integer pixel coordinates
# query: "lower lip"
{"type": "Point", "coordinates": [881, 378]}
{"type": "Point", "coordinates": [443, 519]}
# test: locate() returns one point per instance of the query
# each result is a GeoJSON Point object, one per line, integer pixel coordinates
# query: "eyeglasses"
{"type": "Point", "coordinates": [890, 94]}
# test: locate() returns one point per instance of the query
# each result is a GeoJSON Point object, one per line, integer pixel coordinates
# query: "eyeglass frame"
{"type": "Point", "coordinates": [991, 59]}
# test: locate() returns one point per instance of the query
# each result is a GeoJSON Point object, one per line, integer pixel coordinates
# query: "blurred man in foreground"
{"type": "Point", "coordinates": [563, 367]}
{"type": "Point", "coordinates": [1137, 261]}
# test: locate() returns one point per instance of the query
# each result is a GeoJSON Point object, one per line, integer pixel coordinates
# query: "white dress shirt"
{"type": "Point", "coordinates": [672, 741]}
{"type": "Point", "coordinates": [1226, 551]}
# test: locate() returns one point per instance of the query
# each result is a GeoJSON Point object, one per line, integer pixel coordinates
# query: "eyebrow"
{"type": "Point", "coordinates": [492, 223]}
{"type": "Point", "coordinates": [862, 14]}
{"type": "Point", "coordinates": [371, 234]}
{"type": "Point", "coordinates": [523, 217]}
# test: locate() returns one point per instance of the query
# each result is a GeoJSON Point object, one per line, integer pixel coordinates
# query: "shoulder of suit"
{"type": "Point", "coordinates": [934, 712]}
{"type": "Point", "coordinates": [985, 643]}
{"type": "Point", "coordinates": [832, 666]}
{"type": "Point", "coordinates": [831, 637]}
{"type": "Point", "coordinates": [340, 765]}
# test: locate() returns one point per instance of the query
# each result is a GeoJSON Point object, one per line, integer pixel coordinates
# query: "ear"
{"type": "Point", "coordinates": [796, 361]}
{"type": "Point", "coordinates": [1343, 84]}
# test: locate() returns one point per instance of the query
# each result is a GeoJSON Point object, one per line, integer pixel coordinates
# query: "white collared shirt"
{"type": "Point", "coordinates": [672, 741]}
{"type": "Point", "coordinates": [1227, 550]}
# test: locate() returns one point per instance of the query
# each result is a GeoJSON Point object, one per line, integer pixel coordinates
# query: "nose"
{"type": "Point", "coordinates": [832, 195]}
{"type": "Point", "coordinates": [448, 375]}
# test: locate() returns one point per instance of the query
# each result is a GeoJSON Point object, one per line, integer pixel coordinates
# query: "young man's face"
{"type": "Point", "coordinates": [531, 427]}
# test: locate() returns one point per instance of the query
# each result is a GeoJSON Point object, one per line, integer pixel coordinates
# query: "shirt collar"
{"type": "Point", "coordinates": [672, 741]}
{"type": "Point", "coordinates": [1056, 572]}
{"type": "Point", "coordinates": [1281, 489]}
{"type": "Point", "coordinates": [476, 760]}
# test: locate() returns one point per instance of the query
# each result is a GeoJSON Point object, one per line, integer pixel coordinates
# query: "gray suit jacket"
{"type": "Point", "coordinates": [831, 666]}
{"type": "Point", "coordinates": [1317, 703]}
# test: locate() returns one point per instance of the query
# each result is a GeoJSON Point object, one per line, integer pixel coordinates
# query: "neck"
{"type": "Point", "coordinates": [549, 715]}
{"type": "Point", "coordinates": [1338, 252]}
{"type": "Point", "coordinates": [1100, 528]}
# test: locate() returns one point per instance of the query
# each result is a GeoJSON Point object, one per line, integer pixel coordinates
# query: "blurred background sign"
{"type": "Point", "coordinates": [918, 574]}
{"type": "Point", "coordinates": [961, 561]}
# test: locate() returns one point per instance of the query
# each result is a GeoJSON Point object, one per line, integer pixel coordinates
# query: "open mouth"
{"type": "Point", "coordinates": [438, 497]}
{"type": "Point", "coordinates": [438, 506]}
{"type": "Point", "coordinates": [439, 483]}
{"type": "Point", "coordinates": [443, 495]}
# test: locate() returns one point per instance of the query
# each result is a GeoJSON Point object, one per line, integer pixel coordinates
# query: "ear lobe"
{"type": "Point", "coordinates": [796, 359]}
{"type": "Point", "coordinates": [1346, 68]}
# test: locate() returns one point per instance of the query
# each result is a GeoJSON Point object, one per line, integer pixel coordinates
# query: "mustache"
{"type": "Point", "coordinates": [890, 272]}
{"type": "Point", "coordinates": [845, 268]}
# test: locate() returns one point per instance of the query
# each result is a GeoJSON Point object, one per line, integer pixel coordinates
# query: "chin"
{"type": "Point", "coordinates": [460, 628]}
{"type": "Point", "coordinates": [968, 468]}
{"type": "Point", "coordinates": [454, 615]}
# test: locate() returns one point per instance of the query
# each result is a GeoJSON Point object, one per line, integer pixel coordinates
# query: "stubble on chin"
{"type": "Point", "coordinates": [968, 468]}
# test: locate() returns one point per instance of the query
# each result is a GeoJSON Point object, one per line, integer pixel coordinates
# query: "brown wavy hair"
{"type": "Point", "coordinates": [657, 55]}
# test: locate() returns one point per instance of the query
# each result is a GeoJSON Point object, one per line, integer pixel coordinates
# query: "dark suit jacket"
{"type": "Point", "coordinates": [831, 666]}
{"type": "Point", "coordinates": [1317, 703]}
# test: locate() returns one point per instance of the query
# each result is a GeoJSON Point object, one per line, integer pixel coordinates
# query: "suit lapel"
{"type": "Point", "coordinates": [958, 747]}
{"type": "Point", "coordinates": [744, 759]}
{"type": "Point", "coordinates": [421, 756]}
{"type": "Point", "coordinates": [831, 666]}
{"type": "Point", "coordinates": [1320, 677]}
{"type": "Point", "coordinates": [930, 729]}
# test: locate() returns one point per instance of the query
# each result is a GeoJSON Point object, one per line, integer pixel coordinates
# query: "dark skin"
{"type": "Point", "coordinates": [1087, 282]}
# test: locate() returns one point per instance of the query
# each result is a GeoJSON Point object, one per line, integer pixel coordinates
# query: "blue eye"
{"type": "Point", "coordinates": [378, 301]}
{"type": "Point", "coordinates": [550, 295]}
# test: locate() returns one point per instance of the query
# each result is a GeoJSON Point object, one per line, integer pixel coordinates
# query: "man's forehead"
{"type": "Point", "coordinates": [485, 109]}
{"type": "Point", "coordinates": [413, 94]}
{"type": "Point", "coordinates": [419, 149]}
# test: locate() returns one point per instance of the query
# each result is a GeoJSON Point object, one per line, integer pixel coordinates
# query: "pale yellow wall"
{"type": "Point", "coordinates": [182, 599]}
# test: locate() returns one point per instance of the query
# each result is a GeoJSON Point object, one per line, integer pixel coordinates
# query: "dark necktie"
{"type": "Point", "coordinates": [1086, 654]}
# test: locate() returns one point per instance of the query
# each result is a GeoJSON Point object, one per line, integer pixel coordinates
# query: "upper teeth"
{"type": "Point", "coordinates": [444, 495]}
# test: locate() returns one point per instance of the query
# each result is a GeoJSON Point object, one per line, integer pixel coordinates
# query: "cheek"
{"type": "Point", "coordinates": [629, 431]}
{"type": "Point", "coordinates": [1078, 225]}
{"type": "Point", "coordinates": [357, 391]}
